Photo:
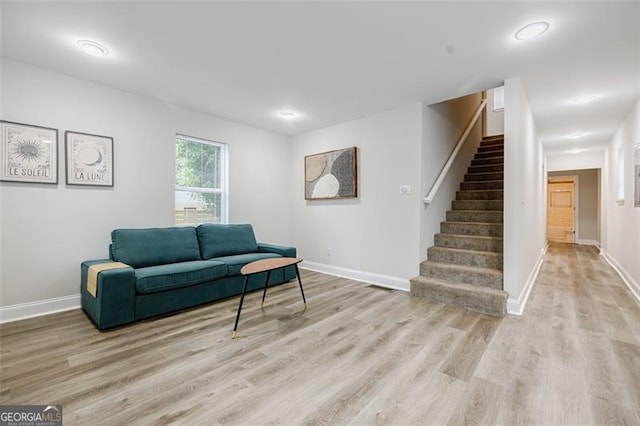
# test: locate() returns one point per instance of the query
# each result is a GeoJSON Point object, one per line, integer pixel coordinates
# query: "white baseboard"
{"type": "Point", "coordinates": [35, 309]}
{"type": "Point", "coordinates": [515, 306]}
{"type": "Point", "coordinates": [588, 243]}
{"type": "Point", "coordinates": [633, 286]}
{"type": "Point", "coordinates": [59, 304]}
{"type": "Point", "coordinates": [367, 277]}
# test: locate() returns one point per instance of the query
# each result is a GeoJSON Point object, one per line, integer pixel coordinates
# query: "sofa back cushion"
{"type": "Point", "coordinates": [225, 240]}
{"type": "Point", "coordinates": [154, 246]}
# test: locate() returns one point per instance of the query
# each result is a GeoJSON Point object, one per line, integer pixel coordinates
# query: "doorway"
{"type": "Point", "coordinates": [561, 209]}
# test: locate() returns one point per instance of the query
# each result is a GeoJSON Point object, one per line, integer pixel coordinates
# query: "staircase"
{"type": "Point", "coordinates": [464, 268]}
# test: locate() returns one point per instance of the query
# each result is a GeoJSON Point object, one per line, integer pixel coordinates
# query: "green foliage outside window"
{"type": "Point", "coordinates": [198, 172]}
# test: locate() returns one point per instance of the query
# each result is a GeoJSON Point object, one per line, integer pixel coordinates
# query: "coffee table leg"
{"type": "Point", "coordinates": [264, 293]}
{"type": "Point", "coordinates": [244, 290]}
{"type": "Point", "coordinates": [300, 283]}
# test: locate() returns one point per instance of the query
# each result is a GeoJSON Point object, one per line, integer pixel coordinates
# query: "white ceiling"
{"type": "Point", "coordinates": [334, 62]}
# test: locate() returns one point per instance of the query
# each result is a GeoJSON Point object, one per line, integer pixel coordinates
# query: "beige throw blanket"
{"type": "Point", "coordinates": [94, 270]}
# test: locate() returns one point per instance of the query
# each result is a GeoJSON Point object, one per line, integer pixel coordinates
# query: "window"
{"type": "Point", "coordinates": [620, 165]}
{"type": "Point", "coordinates": [636, 171]}
{"type": "Point", "coordinates": [201, 181]}
{"type": "Point", "coordinates": [498, 99]}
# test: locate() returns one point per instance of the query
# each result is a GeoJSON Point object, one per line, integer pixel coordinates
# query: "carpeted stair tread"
{"type": "Point", "coordinates": [469, 242]}
{"type": "Point", "coordinates": [480, 194]}
{"type": "Point", "coordinates": [472, 228]}
{"type": "Point", "coordinates": [484, 205]}
{"type": "Point", "coordinates": [479, 216]}
{"type": "Point", "coordinates": [490, 148]}
{"type": "Point", "coordinates": [482, 277]}
{"type": "Point", "coordinates": [472, 223]}
{"type": "Point", "coordinates": [475, 177]}
{"type": "Point", "coordinates": [487, 161]}
{"type": "Point", "coordinates": [498, 144]}
{"type": "Point", "coordinates": [492, 142]}
{"type": "Point", "coordinates": [485, 168]}
{"type": "Point", "coordinates": [489, 154]}
{"type": "Point", "coordinates": [465, 257]}
{"type": "Point", "coordinates": [482, 185]}
{"type": "Point", "coordinates": [479, 299]}
{"type": "Point", "coordinates": [489, 271]}
{"type": "Point", "coordinates": [469, 251]}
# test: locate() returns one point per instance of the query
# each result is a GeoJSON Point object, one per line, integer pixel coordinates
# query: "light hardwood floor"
{"type": "Point", "coordinates": [358, 355]}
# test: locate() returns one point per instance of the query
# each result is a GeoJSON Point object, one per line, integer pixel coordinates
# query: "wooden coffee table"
{"type": "Point", "coordinates": [266, 265]}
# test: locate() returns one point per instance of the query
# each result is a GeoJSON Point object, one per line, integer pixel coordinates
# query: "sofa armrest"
{"type": "Point", "coordinates": [283, 251]}
{"type": "Point", "coordinates": [114, 303]}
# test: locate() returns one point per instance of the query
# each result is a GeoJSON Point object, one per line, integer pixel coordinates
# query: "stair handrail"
{"type": "Point", "coordinates": [445, 170]}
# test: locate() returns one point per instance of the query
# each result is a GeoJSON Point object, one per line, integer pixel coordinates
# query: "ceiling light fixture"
{"type": "Point", "coordinates": [93, 48]}
{"type": "Point", "coordinates": [287, 115]}
{"type": "Point", "coordinates": [583, 99]}
{"type": "Point", "coordinates": [532, 30]}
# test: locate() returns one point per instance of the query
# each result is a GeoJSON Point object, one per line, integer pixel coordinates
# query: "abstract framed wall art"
{"type": "Point", "coordinates": [28, 153]}
{"type": "Point", "coordinates": [331, 175]}
{"type": "Point", "coordinates": [89, 159]}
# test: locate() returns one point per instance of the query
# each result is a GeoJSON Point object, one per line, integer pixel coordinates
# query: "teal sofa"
{"type": "Point", "coordinates": [170, 269]}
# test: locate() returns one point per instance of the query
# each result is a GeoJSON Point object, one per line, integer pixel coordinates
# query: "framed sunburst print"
{"type": "Point", "coordinates": [89, 159]}
{"type": "Point", "coordinates": [28, 153]}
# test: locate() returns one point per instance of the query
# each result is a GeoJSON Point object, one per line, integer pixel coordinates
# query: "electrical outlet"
{"type": "Point", "coordinates": [329, 251]}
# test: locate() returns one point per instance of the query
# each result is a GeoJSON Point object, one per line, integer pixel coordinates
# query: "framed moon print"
{"type": "Point", "coordinates": [28, 153]}
{"type": "Point", "coordinates": [89, 159]}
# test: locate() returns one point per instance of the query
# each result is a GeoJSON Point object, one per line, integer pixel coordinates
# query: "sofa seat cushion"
{"type": "Point", "coordinates": [236, 262]}
{"type": "Point", "coordinates": [153, 279]}
{"type": "Point", "coordinates": [154, 246]}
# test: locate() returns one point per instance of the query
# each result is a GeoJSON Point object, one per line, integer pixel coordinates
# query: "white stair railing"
{"type": "Point", "coordinates": [467, 131]}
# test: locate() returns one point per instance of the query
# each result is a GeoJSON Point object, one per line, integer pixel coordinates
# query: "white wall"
{"type": "Point", "coordinates": [588, 226]}
{"type": "Point", "coordinates": [494, 119]}
{"type": "Point", "coordinates": [378, 232]}
{"type": "Point", "coordinates": [581, 160]}
{"type": "Point", "coordinates": [621, 233]}
{"type": "Point", "coordinates": [442, 126]}
{"type": "Point", "coordinates": [524, 197]}
{"type": "Point", "coordinates": [48, 230]}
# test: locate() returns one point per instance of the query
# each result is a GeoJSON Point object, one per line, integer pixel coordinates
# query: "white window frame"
{"type": "Point", "coordinates": [224, 175]}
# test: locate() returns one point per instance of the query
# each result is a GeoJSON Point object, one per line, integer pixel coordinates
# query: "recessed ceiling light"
{"type": "Point", "coordinates": [575, 151]}
{"type": "Point", "coordinates": [532, 30]}
{"type": "Point", "coordinates": [577, 135]}
{"type": "Point", "coordinates": [583, 99]}
{"type": "Point", "coordinates": [288, 115]}
{"type": "Point", "coordinates": [93, 48]}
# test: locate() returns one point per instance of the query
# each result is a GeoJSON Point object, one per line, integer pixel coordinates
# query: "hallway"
{"type": "Point", "coordinates": [574, 356]}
